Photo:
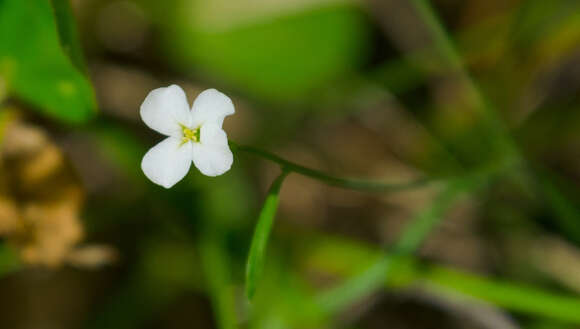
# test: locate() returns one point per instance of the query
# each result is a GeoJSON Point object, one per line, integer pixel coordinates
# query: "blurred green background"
{"type": "Point", "coordinates": [481, 96]}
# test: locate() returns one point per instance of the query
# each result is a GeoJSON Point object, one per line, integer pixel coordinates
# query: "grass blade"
{"type": "Point", "coordinates": [257, 253]}
{"type": "Point", "coordinates": [457, 285]}
{"type": "Point", "coordinates": [374, 278]}
{"type": "Point", "coordinates": [510, 295]}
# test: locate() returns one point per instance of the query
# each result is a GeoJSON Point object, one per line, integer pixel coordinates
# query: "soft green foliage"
{"type": "Point", "coordinates": [283, 58]}
{"type": "Point", "coordinates": [34, 65]}
{"type": "Point", "coordinates": [535, 24]}
{"type": "Point", "coordinates": [292, 306]}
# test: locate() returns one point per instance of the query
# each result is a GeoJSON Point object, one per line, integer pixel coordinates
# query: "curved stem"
{"type": "Point", "coordinates": [347, 183]}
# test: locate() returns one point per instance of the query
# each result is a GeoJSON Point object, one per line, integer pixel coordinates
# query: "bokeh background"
{"type": "Point", "coordinates": [387, 90]}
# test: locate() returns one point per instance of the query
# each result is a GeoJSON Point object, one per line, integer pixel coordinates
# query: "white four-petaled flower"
{"type": "Point", "coordinates": [194, 135]}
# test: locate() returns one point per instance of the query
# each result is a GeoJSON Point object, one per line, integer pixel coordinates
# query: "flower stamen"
{"type": "Point", "coordinates": [189, 135]}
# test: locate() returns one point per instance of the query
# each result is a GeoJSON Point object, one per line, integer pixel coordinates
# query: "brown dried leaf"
{"type": "Point", "coordinates": [40, 196]}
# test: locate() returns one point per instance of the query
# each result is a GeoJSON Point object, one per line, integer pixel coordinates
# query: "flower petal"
{"type": "Point", "coordinates": [164, 109]}
{"type": "Point", "coordinates": [167, 162]}
{"type": "Point", "coordinates": [212, 160]}
{"type": "Point", "coordinates": [212, 134]}
{"type": "Point", "coordinates": [211, 106]}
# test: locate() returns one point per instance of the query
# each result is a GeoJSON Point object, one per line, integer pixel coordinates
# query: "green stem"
{"type": "Point", "coordinates": [346, 183]}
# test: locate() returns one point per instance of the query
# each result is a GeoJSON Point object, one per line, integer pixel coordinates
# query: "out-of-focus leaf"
{"type": "Point", "coordinates": [545, 32]}
{"type": "Point", "coordinates": [375, 275]}
{"type": "Point", "coordinates": [537, 19]}
{"type": "Point", "coordinates": [67, 31]}
{"type": "Point", "coordinates": [279, 57]}
{"type": "Point", "coordinates": [283, 300]}
{"type": "Point", "coordinates": [549, 324]}
{"type": "Point", "coordinates": [456, 284]}
{"type": "Point", "coordinates": [516, 297]}
{"type": "Point", "coordinates": [34, 65]}
{"type": "Point", "coordinates": [257, 253]}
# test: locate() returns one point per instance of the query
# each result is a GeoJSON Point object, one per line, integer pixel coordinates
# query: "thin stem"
{"type": "Point", "coordinates": [347, 183]}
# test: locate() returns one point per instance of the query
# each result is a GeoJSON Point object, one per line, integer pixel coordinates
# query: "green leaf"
{"type": "Point", "coordinates": [34, 66]}
{"type": "Point", "coordinates": [257, 253]}
{"type": "Point", "coordinates": [67, 31]}
{"type": "Point", "coordinates": [278, 57]}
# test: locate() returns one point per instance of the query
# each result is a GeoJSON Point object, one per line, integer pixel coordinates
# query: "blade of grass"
{"type": "Point", "coordinates": [376, 275]}
{"type": "Point", "coordinates": [516, 297]}
{"type": "Point", "coordinates": [510, 295]}
{"type": "Point", "coordinates": [428, 219]}
{"type": "Point", "coordinates": [257, 253]}
{"type": "Point", "coordinates": [513, 296]}
{"type": "Point", "coordinates": [567, 214]}
{"type": "Point", "coordinates": [446, 48]}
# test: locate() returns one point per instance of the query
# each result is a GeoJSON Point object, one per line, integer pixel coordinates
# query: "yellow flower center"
{"type": "Point", "coordinates": [189, 135]}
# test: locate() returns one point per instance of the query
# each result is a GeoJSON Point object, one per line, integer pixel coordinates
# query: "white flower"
{"type": "Point", "coordinates": [194, 135]}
